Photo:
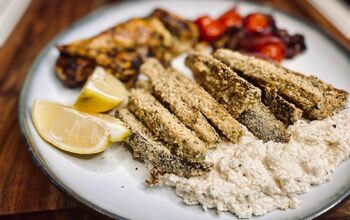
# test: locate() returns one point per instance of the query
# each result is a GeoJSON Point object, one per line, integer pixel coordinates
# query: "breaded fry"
{"type": "Point", "coordinates": [283, 110]}
{"type": "Point", "coordinates": [268, 74]}
{"type": "Point", "coordinates": [259, 120]}
{"type": "Point", "coordinates": [316, 98]}
{"type": "Point", "coordinates": [166, 126]}
{"type": "Point", "coordinates": [222, 83]}
{"type": "Point", "coordinates": [226, 86]}
{"type": "Point", "coordinates": [333, 99]}
{"type": "Point", "coordinates": [208, 106]}
{"type": "Point", "coordinates": [168, 89]}
{"type": "Point", "coordinates": [145, 147]}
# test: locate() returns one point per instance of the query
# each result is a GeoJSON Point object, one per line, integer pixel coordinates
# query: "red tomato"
{"type": "Point", "coordinates": [275, 51]}
{"type": "Point", "coordinates": [251, 43]}
{"type": "Point", "coordinates": [257, 23]}
{"type": "Point", "coordinates": [231, 19]}
{"type": "Point", "coordinates": [212, 31]}
{"type": "Point", "coordinates": [203, 21]}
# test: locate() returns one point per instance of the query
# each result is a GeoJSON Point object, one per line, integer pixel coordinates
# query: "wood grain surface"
{"type": "Point", "coordinates": [23, 188]}
{"type": "Point", "coordinates": [25, 193]}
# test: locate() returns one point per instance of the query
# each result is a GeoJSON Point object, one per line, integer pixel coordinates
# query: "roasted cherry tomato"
{"type": "Point", "coordinates": [275, 51]}
{"type": "Point", "coordinates": [203, 21]}
{"type": "Point", "coordinates": [231, 19]}
{"type": "Point", "coordinates": [210, 30]}
{"type": "Point", "coordinates": [258, 23]}
{"type": "Point", "coordinates": [252, 42]}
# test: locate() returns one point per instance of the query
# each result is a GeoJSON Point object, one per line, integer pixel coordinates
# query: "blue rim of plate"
{"type": "Point", "coordinates": [39, 161]}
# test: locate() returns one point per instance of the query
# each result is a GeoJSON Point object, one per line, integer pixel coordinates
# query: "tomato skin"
{"type": "Point", "coordinates": [203, 21]}
{"type": "Point", "coordinates": [212, 31]}
{"type": "Point", "coordinates": [256, 33]}
{"type": "Point", "coordinates": [251, 43]}
{"type": "Point", "coordinates": [231, 19]}
{"type": "Point", "coordinates": [275, 51]}
{"type": "Point", "coordinates": [258, 23]}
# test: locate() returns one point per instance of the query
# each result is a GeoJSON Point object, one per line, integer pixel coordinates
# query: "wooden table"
{"type": "Point", "coordinates": [25, 193]}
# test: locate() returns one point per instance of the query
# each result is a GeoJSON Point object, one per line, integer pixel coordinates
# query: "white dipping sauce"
{"type": "Point", "coordinates": [254, 178]}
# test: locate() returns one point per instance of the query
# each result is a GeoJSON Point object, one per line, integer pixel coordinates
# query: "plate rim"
{"type": "Point", "coordinates": [39, 161]}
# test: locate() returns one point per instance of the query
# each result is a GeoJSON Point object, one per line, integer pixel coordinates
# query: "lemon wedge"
{"type": "Point", "coordinates": [70, 130]}
{"type": "Point", "coordinates": [102, 92]}
{"type": "Point", "coordinates": [116, 128]}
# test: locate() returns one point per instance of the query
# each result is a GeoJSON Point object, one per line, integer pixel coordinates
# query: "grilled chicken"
{"type": "Point", "coordinates": [73, 70]}
{"type": "Point", "coordinates": [166, 126]}
{"type": "Point", "coordinates": [169, 91]}
{"type": "Point", "coordinates": [122, 48]}
{"type": "Point", "coordinates": [154, 153]}
{"type": "Point", "coordinates": [238, 96]}
{"type": "Point", "coordinates": [184, 30]}
{"type": "Point", "coordinates": [316, 98]}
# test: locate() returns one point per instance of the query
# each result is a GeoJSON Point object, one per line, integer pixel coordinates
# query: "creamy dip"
{"type": "Point", "coordinates": [254, 178]}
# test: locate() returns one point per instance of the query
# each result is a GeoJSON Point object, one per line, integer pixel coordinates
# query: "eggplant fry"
{"type": "Point", "coordinates": [215, 77]}
{"type": "Point", "coordinates": [267, 74]}
{"type": "Point", "coordinates": [283, 110]}
{"type": "Point", "coordinates": [195, 96]}
{"type": "Point", "coordinates": [259, 120]}
{"type": "Point", "coordinates": [168, 89]}
{"type": "Point", "coordinates": [166, 126]}
{"type": "Point", "coordinates": [145, 147]}
{"type": "Point", "coordinates": [222, 83]}
{"type": "Point", "coordinates": [208, 106]}
{"type": "Point", "coordinates": [316, 98]}
{"type": "Point", "coordinates": [333, 99]}
{"type": "Point", "coordinates": [226, 86]}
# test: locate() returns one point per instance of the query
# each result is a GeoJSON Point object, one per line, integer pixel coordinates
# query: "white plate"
{"type": "Point", "coordinates": [112, 182]}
